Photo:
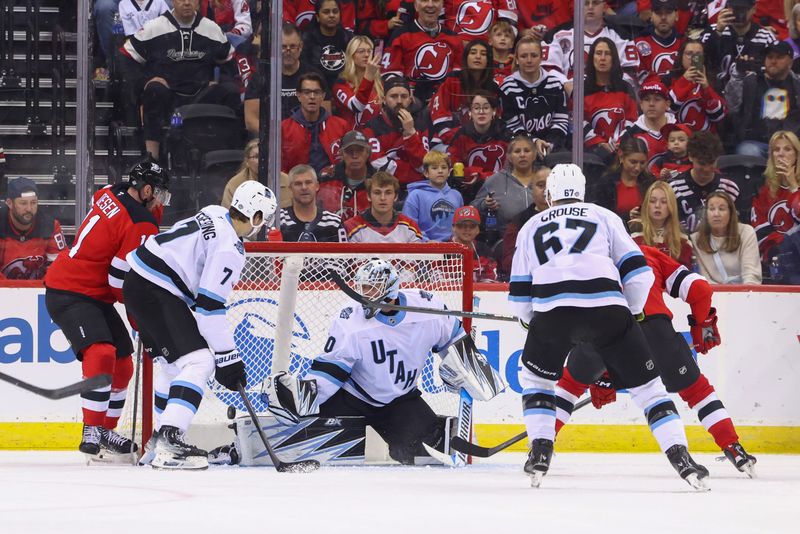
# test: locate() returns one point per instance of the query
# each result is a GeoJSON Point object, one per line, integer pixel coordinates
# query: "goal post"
{"type": "Point", "coordinates": [282, 308]}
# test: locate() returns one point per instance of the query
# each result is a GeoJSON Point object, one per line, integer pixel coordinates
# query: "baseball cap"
{"type": "Point", "coordinates": [354, 138]}
{"type": "Point", "coordinates": [467, 213]}
{"type": "Point", "coordinates": [667, 5]}
{"type": "Point", "coordinates": [21, 187]}
{"type": "Point", "coordinates": [741, 3]}
{"type": "Point", "coordinates": [394, 80]}
{"type": "Point", "coordinates": [653, 85]}
{"type": "Point", "coordinates": [674, 127]}
{"type": "Point", "coordinates": [779, 47]}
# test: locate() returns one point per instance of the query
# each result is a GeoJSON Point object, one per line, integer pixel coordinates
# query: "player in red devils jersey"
{"type": "Point", "coordinates": [29, 239]}
{"type": "Point", "coordinates": [678, 369]}
{"type": "Point", "coordinates": [84, 283]}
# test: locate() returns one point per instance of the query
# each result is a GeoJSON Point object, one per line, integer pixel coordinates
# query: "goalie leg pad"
{"type": "Point", "coordinates": [463, 366]}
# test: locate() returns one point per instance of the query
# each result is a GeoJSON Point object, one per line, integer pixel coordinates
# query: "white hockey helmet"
{"type": "Point", "coordinates": [253, 197]}
{"type": "Point", "coordinates": [377, 280]}
{"type": "Point", "coordinates": [566, 181]}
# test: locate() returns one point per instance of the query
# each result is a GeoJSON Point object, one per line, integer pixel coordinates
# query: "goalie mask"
{"type": "Point", "coordinates": [566, 181]}
{"type": "Point", "coordinates": [377, 280]}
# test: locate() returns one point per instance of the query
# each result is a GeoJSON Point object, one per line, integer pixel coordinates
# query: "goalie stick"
{"type": "Point", "coordinates": [304, 466]}
{"type": "Point", "coordinates": [459, 444]}
{"type": "Point", "coordinates": [353, 294]}
{"type": "Point", "coordinates": [95, 382]}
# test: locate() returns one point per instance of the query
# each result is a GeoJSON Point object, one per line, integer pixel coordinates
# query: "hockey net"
{"type": "Point", "coordinates": [281, 310]}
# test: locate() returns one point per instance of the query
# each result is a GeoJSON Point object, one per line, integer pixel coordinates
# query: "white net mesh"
{"type": "Point", "coordinates": [285, 302]}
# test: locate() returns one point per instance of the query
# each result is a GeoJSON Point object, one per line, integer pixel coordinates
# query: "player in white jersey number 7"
{"type": "Point", "coordinates": [373, 359]}
{"type": "Point", "coordinates": [176, 291]}
{"type": "Point", "coordinates": [577, 276]}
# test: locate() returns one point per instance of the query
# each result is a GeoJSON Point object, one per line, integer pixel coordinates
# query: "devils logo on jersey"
{"type": "Point", "coordinates": [474, 18]}
{"type": "Point", "coordinates": [780, 217]}
{"type": "Point", "coordinates": [332, 58]}
{"type": "Point", "coordinates": [28, 268]}
{"type": "Point", "coordinates": [489, 158]}
{"type": "Point", "coordinates": [663, 63]}
{"type": "Point", "coordinates": [609, 122]}
{"type": "Point", "coordinates": [692, 114]}
{"type": "Point", "coordinates": [432, 61]}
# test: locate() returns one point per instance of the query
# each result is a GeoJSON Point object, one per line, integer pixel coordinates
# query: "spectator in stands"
{"type": "Point", "coordinates": [594, 27]}
{"type": "Point", "coordinates": [358, 93]}
{"type": "Point", "coordinates": [466, 227]}
{"type": "Point", "coordinates": [623, 187]}
{"type": "Point", "coordinates": [342, 187]}
{"type": "Point", "coordinates": [473, 20]}
{"type": "Point", "coordinates": [794, 36]}
{"type": "Point", "coordinates": [534, 100]}
{"type": "Point", "coordinates": [501, 38]}
{"type": "Point", "coordinates": [311, 134]}
{"type": "Point", "coordinates": [179, 51]}
{"type": "Point", "coordinates": [104, 12]}
{"type": "Point", "coordinates": [291, 70]}
{"type": "Point", "coordinates": [480, 144]}
{"type": "Point", "coordinates": [29, 239]}
{"type": "Point", "coordinates": [609, 107]}
{"type": "Point", "coordinates": [381, 223]}
{"type": "Point", "coordinates": [233, 16]}
{"type": "Point", "coordinates": [765, 102]}
{"type": "Point", "coordinates": [325, 41]}
{"type": "Point", "coordinates": [450, 105]}
{"type": "Point", "coordinates": [676, 159]}
{"type": "Point", "coordinates": [432, 203]}
{"type": "Point", "coordinates": [726, 250]}
{"type": "Point", "coordinates": [735, 42]}
{"type": "Point", "coordinates": [537, 186]}
{"type": "Point", "coordinates": [399, 134]}
{"type": "Point", "coordinates": [776, 209]}
{"type": "Point", "coordinates": [659, 48]}
{"type": "Point", "coordinates": [379, 18]}
{"type": "Point", "coordinates": [248, 170]}
{"type": "Point", "coordinates": [304, 220]}
{"type": "Point", "coordinates": [509, 191]}
{"type": "Point", "coordinates": [134, 13]}
{"type": "Point", "coordinates": [694, 186]}
{"type": "Point", "coordinates": [424, 51]}
{"type": "Point", "coordinates": [656, 224]}
{"type": "Point", "coordinates": [538, 17]}
{"type": "Point", "coordinates": [694, 100]}
{"type": "Point", "coordinates": [301, 13]}
{"type": "Point", "coordinates": [654, 101]}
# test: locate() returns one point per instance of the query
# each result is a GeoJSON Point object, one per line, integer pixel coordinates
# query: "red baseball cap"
{"type": "Point", "coordinates": [653, 86]}
{"type": "Point", "coordinates": [675, 126]}
{"type": "Point", "coordinates": [467, 213]}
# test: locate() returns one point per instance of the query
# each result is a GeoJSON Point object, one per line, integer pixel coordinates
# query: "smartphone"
{"type": "Point", "coordinates": [379, 48]}
{"type": "Point", "coordinates": [697, 62]}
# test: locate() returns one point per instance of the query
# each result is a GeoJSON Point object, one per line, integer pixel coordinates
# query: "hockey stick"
{"type": "Point", "coordinates": [95, 382]}
{"type": "Point", "coordinates": [464, 446]}
{"type": "Point", "coordinates": [304, 466]}
{"type": "Point", "coordinates": [353, 294]}
{"type": "Point", "coordinates": [134, 456]}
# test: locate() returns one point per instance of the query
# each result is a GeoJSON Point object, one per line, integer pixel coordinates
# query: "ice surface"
{"type": "Point", "coordinates": [54, 492]}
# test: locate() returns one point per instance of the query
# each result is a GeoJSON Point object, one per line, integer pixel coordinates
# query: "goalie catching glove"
{"type": "Point", "coordinates": [463, 366]}
{"type": "Point", "coordinates": [705, 335]}
{"type": "Point", "coordinates": [230, 369]}
{"type": "Point", "coordinates": [290, 398]}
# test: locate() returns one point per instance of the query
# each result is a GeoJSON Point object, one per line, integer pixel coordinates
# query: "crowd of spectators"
{"type": "Point", "coordinates": [400, 116]}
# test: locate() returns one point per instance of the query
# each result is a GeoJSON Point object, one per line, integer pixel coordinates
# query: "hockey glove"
{"type": "Point", "coordinates": [705, 335]}
{"type": "Point", "coordinates": [602, 391]}
{"type": "Point", "coordinates": [291, 398]}
{"type": "Point", "coordinates": [230, 369]}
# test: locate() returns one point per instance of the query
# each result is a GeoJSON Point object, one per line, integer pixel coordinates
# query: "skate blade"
{"type": "Point", "coordinates": [536, 478]}
{"type": "Point", "coordinates": [105, 457]}
{"type": "Point", "coordinates": [697, 483]}
{"type": "Point", "coordinates": [749, 469]}
{"type": "Point", "coordinates": [167, 462]}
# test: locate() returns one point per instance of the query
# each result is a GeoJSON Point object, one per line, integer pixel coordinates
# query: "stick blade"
{"type": "Point", "coordinates": [463, 446]}
{"type": "Point", "coordinates": [439, 456]}
{"type": "Point", "coordinates": [305, 466]}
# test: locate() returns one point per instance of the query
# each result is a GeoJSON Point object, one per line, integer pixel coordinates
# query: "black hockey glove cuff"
{"type": "Point", "coordinates": [230, 370]}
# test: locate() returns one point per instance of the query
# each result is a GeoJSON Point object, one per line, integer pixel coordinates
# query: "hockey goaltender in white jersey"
{"type": "Point", "coordinates": [373, 359]}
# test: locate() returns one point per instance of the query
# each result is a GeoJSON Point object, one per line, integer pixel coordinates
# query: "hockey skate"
{"type": "Point", "coordinates": [746, 463]}
{"type": "Point", "coordinates": [225, 455]}
{"type": "Point", "coordinates": [149, 450]}
{"type": "Point", "coordinates": [689, 470]}
{"type": "Point", "coordinates": [115, 449]}
{"type": "Point", "coordinates": [538, 461]}
{"type": "Point", "coordinates": [172, 452]}
{"type": "Point", "coordinates": [90, 443]}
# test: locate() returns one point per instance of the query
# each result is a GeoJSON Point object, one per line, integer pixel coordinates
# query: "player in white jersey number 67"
{"type": "Point", "coordinates": [176, 291]}
{"type": "Point", "coordinates": [373, 359]}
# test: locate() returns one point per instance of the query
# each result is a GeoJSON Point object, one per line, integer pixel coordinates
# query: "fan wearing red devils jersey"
{"type": "Point", "coordinates": [472, 19]}
{"type": "Point", "coordinates": [678, 369]}
{"type": "Point", "coordinates": [301, 13]}
{"type": "Point", "coordinates": [548, 13]}
{"type": "Point", "coordinates": [29, 239]}
{"type": "Point", "coordinates": [424, 52]}
{"type": "Point", "coordinates": [694, 100]}
{"type": "Point", "coordinates": [658, 50]}
{"type": "Point", "coordinates": [82, 286]}
{"type": "Point", "coordinates": [654, 100]}
{"type": "Point", "coordinates": [378, 18]}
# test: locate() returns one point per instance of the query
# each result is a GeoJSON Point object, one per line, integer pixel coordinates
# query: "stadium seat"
{"type": "Point", "coordinates": [217, 168]}
{"type": "Point", "coordinates": [748, 173]}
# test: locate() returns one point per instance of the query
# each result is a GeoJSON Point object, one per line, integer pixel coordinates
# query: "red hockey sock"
{"type": "Point", "coordinates": [702, 398]}
{"type": "Point", "coordinates": [570, 384]}
{"type": "Point", "coordinates": [98, 359]}
{"type": "Point", "coordinates": [123, 371]}
{"type": "Point", "coordinates": [568, 390]}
